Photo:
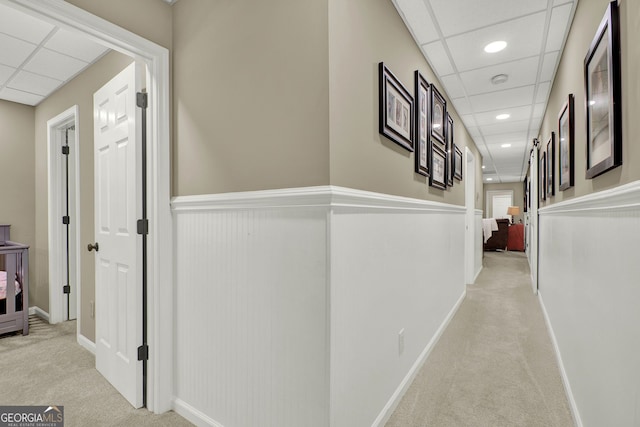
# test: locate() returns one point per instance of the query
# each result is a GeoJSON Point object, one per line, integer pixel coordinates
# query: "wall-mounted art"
{"type": "Point", "coordinates": [457, 169]}
{"type": "Point", "coordinates": [551, 162]}
{"type": "Point", "coordinates": [450, 150]}
{"type": "Point", "coordinates": [438, 177]}
{"type": "Point", "coordinates": [396, 113]}
{"type": "Point", "coordinates": [438, 115]}
{"type": "Point", "coordinates": [566, 156]}
{"type": "Point", "coordinates": [542, 187]}
{"type": "Point", "coordinates": [603, 96]}
{"type": "Point", "coordinates": [423, 149]}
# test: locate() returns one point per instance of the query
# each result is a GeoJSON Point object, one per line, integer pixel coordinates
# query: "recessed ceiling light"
{"type": "Point", "coordinates": [503, 116]}
{"type": "Point", "coordinates": [498, 79]}
{"type": "Point", "coordinates": [482, 166]}
{"type": "Point", "coordinates": [436, 126]}
{"type": "Point", "coordinates": [496, 46]}
{"type": "Point", "coordinates": [489, 179]}
{"type": "Point", "coordinates": [592, 102]}
{"type": "Point", "coordinates": [505, 145]}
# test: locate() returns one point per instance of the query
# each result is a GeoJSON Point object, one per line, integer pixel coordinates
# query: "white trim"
{"type": "Point", "coordinates": [395, 399]}
{"type": "Point", "coordinates": [490, 194]}
{"type": "Point", "coordinates": [478, 274]}
{"type": "Point", "coordinates": [619, 198]}
{"type": "Point", "coordinates": [160, 261]}
{"type": "Point", "coordinates": [323, 196]}
{"type": "Point", "coordinates": [563, 373]}
{"type": "Point", "coordinates": [86, 343]}
{"type": "Point", "coordinates": [193, 415]}
{"type": "Point", "coordinates": [39, 312]}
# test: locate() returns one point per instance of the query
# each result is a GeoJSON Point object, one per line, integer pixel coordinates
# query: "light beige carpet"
{"type": "Point", "coordinates": [48, 367]}
{"type": "Point", "coordinates": [494, 365]}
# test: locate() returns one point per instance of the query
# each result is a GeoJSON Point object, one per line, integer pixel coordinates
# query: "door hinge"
{"type": "Point", "coordinates": [143, 226]}
{"type": "Point", "coordinates": [66, 289]}
{"type": "Point", "coordinates": [143, 352]}
{"type": "Point", "coordinates": [65, 150]}
{"type": "Point", "coordinates": [66, 220]}
{"type": "Point", "coordinates": [141, 99]}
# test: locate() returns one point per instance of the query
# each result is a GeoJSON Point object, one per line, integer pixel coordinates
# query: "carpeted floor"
{"type": "Point", "coordinates": [48, 367]}
{"type": "Point", "coordinates": [494, 365]}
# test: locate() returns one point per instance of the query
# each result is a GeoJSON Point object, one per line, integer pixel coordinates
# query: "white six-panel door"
{"type": "Point", "coordinates": [117, 207]}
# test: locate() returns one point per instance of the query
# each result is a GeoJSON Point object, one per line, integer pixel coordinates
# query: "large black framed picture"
{"type": "Point", "coordinates": [422, 119]}
{"type": "Point", "coordinates": [551, 162]}
{"type": "Point", "coordinates": [438, 115]}
{"type": "Point", "coordinates": [457, 168]}
{"type": "Point", "coordinates": [603, 96]}
{"type": "Point", "coordinates": [450, 151]}
{"type": "Point", "coordinates": [438, 177]}
{"type": "Point", "coordinates": [542, 188]}
{"type": "Point", "coordinates": [566, 144]}
{"type": "Point", "coordinates": [396, 113]}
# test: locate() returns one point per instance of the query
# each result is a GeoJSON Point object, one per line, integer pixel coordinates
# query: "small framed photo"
{"type": "Point", "coordinates": [438, 178]}
{"type": "Point", "coordinates": [438, 115]}
{"type": "Point", "coordinates": [551, 163]}
{"type": "Point", "coordinates": [423, 149]}
{"type": "Point", "coordinates": [603, 96]}
{"type": "Point", "coordinates": [457, 171]}
{"type": "Point", "coordinates": [395, 109]}
{"type": "Point", "coordinates": [450, 150]}
{"type": "Point", "coordinates": [566, 156]}
{"type": "Point", "coordinates": [542, 188]}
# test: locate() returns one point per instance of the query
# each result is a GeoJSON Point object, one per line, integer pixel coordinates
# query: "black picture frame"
{"type": "Point", "coordinates": [457, 174]}
{"type": "Point", "coordinates": [396, 109]}
{"type": "Point", "coordinates": [422, 120]}
{"type": "Point", "coordinates": [566, 145]}
{"type": "Point", "coordinates": [551, 162]}
{"type": "Point", "coordinates": [525, 184]}
{"type": "Point", "coordinates": [603, 96]}
{"type": "Point", "coordinates": [438, 115]}
{"type": "Point", "coordinates": [542, 189]}
{"type": "Point", "coordinates": [450, 150]}
{"type": "Point", "coordinates": [438, 177]}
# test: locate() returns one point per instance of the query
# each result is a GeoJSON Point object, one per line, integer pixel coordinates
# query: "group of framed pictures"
{"type": "Point", "coordinates": [603, 114]}
{"type": "Point", "coordinates": [420, 123]}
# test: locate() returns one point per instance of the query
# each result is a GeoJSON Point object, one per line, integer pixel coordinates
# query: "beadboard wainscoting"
{"type": "Point", "coordinates": [589, 283]}
{"type": "Point", "coordinates": [311, 306]}
{"type": "Point", "coordinates": [479, 244]}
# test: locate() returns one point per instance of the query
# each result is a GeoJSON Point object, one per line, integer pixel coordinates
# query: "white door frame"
{"type": "Point", "coordinates": [533, 217]}
{"type": "Point", "coordinates": [470, 217]}
{"type": "Point", "coordinates": [160, 252]}
{"type": "Point", "coordinates": [55, 127]}
{"type": "Point", "coordinates": [489, 195]}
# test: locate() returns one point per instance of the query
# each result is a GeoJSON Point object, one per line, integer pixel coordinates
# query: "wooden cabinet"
{"type": "Point", "coordinates": [515, 240]}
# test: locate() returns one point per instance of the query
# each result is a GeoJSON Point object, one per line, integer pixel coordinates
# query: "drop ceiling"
{"type": "Point", "coordinates": [452, 35]}
{"type": "Point", "coordinates": [37, 58]}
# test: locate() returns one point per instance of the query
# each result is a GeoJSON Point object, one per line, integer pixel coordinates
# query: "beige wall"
{"type": "Point", "coordinates": [251, 95]}
{"type": "Point", "coordinates": [77, 92]}
{"type": "Point", "coordinates": [363, 33]}
{"type": "Point", "coordinates": [518, 198]}
{"type": "Point", "coordinates": [570, 79]}
{"type": "Point", "coordinates": [17, 185]}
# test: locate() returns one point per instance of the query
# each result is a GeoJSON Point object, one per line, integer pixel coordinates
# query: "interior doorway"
{"type": "Point", "coordinates": [497, 202]}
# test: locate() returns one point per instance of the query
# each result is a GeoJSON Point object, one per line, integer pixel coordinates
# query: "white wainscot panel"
{"type": "Point", "coordinates": [479, 243]}
{"type": "Point", "coordinates": [589, 282]}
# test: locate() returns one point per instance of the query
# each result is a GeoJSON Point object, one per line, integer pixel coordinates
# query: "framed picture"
{"type": "Point", "coordinates": [457, 170]}
{"type": "Point", "coordinates": [423, 151]}
{"type": "Point", "coordinates": [543, 177]}
{"type": "Point", "coordinates": [526, 193]}
{"type": "Point", "coordinates": [566, 156]}
{"type": "Point", "coordinates": [438, 177]}
{"type": "Point", "coordinates": [438, 115]}
{"type": "Point", "coordinates": [450, 150]}
{"type": "Point", "coordinates": [396, 109]}
{"type": "Point", "coordinates": [603, 101]}
{"type": "Point", "coordinates": [551, 163]}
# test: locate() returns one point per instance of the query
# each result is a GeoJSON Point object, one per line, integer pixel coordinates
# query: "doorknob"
{"type": "Point", "coordinates": [91, 247]}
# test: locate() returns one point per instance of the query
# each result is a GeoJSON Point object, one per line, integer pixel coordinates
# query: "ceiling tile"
{"type": "Point", "coordinates": [503, 99]}
{"type": "Point", "coordinates": [33, 83]}
{"type": "Point", "coordinates": [549, 66]}
{"type": "Point", "coordinates": [543, 92]}
{"type": "Point", "coordinates": [23, 26]}
{"type": "Point", "coordinates": [499, 128]}
{"type": "Point", "coordinates": [559, 2]}
{"type": "Point", "coordinates": [458, 16]}
{"type": "Point", "coordinates": [14, 51]}
{"type": "Point", "coordinates": [452, 86]}
{"type": "Point", "coordinates": [54, 65]}
{"type": "Point", "coordinates": [419, 20]}
{"type": "Point", "coordinates": [5, 73]}
{"type": "Point", "coordinates": [558, 27]}
{"type": "Point", "coordinates": [438, 58]}
{"type": "Point", "coordinates": [538, 110]}
{"type": "Point", "coordinates": [75, 46]}
{"type": "Point", "coordinates": [20, 97]}
{"type": "Point", "coordinates": [462, 105]}
{"type": "Point", "coordinates": [524, 37]}
{"type": "Point", "coordinates": [505, 138]}
{"type": "Point", "coordinates": [516, 114]}
{"type": "Point", "coordinates": [520, 73]}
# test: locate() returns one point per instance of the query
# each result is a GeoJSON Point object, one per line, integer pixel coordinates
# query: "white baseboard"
{"type": "Point", "coordinates": [478, 274]}
{"type": "Point", "coordinates": [563, 373]}
{"type": "Point", "coordinates": [193, 415]}
{"type": "Point", "coordinates": [393, 402]}
{"type": "Point", "coordinates": [39, 312]}
{"type": "Point", "coordinates": [86, 343]}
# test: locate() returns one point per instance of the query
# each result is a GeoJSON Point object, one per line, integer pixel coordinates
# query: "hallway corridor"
{"type": "Point", "coordinates": [494, 365]}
